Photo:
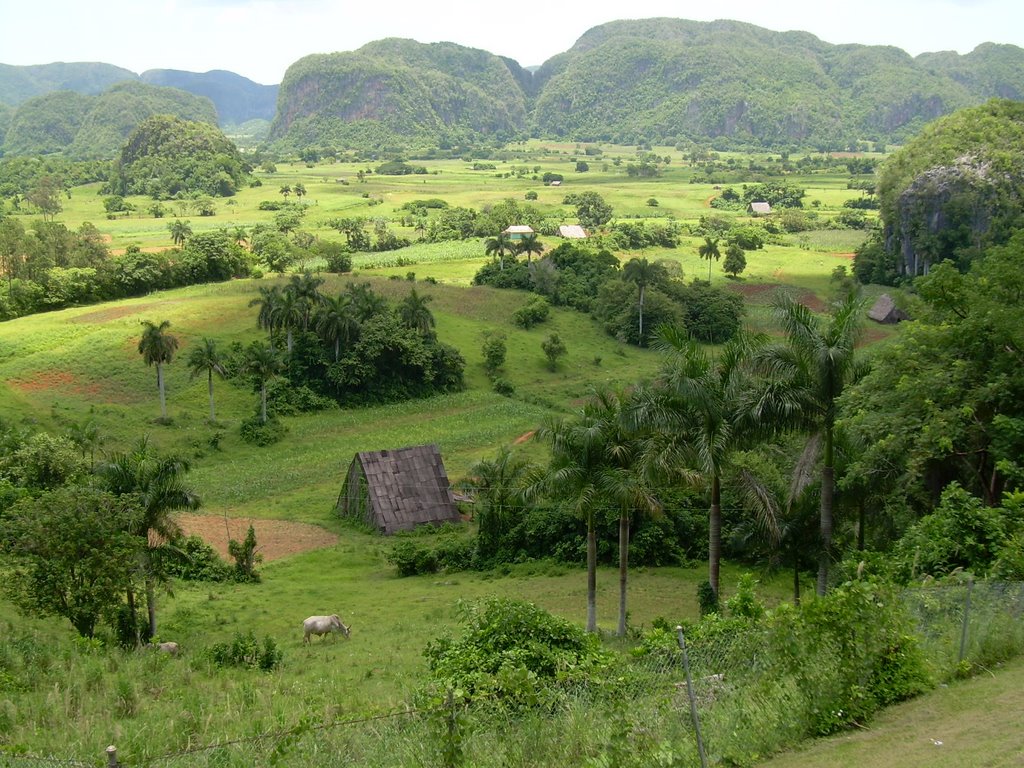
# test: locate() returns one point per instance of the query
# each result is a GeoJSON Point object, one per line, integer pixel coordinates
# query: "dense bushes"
{"type": "Point", "coordinates": [514, 653]}
{"type": "Point", "coordinates": [66, 268]}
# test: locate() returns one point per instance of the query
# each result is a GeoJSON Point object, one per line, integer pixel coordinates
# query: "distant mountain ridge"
{"type": "Point", "coordinates": [237, 99]}
{"type": "Point", "coordinates": [727, 83]}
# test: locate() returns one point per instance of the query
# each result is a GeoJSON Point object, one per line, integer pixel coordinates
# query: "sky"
{"type": "Point", "coordinates": [259, 39]}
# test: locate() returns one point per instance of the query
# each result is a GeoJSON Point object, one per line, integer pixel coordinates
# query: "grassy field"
{"type": "Point", "coordinates": [967, 724]}
{"type": "Point", "coordinates": [66, 367]}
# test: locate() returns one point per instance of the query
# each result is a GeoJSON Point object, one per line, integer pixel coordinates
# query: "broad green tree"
{"type": "Point", "coordinates": [735, 259]}
{"type": "Point", "coordinates": [157, 347]}
{"type": "Point", "coordinates": [554, 349]}
{"type": "Point", "coordinates": [205, 358]}
{"type": "Point", "coordinates": [75, 554]}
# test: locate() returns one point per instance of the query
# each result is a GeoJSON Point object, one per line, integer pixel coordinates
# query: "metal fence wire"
{"type": "Point", "coordinates": [749, 701]}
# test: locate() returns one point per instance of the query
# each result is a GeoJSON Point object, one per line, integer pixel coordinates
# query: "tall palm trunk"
{"type": "Point", "coordinates": [623, 570]}
{"type": "Point", "coordinates": [160, 387]}
{"type": "Point", "coordinates": [130, 596]}
{"type": "Point", "coordinates": [151, 605]}
{"type": "Point", "coordinates": [641, 315]}
{"type": "Point", "coordinates": [263, 403]}
{"type": "Point", "coordinates": [213, 414]}
{"type": "Point", "coordinates": [715, 534]}
{"type": "Point", "coordinates": [827, 499]}
{"type": "Point", "coordinates": [591, 574]}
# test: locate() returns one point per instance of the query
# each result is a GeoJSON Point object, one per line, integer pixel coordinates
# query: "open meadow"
{"type": "Point", "coordinates": [64, 368]}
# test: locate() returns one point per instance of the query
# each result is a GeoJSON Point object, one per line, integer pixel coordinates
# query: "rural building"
{"type": "Point", "coordinates": [573, 231]}
{"type": "Point", "coordinates": [517, 231]}
{"type": "Point", "coordinates": [760, 208]}
{"type": "Point", "coordinates": [398, 490]}
{"type": "Point", "coordinates": [885, 311]}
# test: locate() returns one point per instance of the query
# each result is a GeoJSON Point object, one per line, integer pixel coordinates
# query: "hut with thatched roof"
{"type": "Point", "coordinates": [886, 312]}
{"type": "Point", "coordinates": [398, 490]}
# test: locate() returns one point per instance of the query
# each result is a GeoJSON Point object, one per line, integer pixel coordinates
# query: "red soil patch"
{"type": "Point", "coordinates": [110, 313]}
{"type": "Point", "coordinates": [274, 538]}
{"type": "Point", "coordinates": [49, 380]}
{"type": "Point", "coordinates": [759, 293]}
{"type": "Point", "coordinates": [523, 438]}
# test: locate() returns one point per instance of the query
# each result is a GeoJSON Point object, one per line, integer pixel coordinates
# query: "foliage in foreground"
{"type": "Point", "coordinates": [517, 653]}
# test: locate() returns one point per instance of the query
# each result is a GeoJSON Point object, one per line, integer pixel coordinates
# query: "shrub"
{"type": "Point", "coordinates": [535, 311]}
{"type": "Point", "coordinates": [517, 654]}
{"type": "Point", "coordinates": [193, 560]}
{"type": "Point", "coordinates": [531, 195]}
{"type": "Point", "coordinates": [255, 432]}
{"type": "Point", "coordinates": [430, 550]}
{"type": "Point", "coordinates": [245, 650]}
{"type": "Point", "coordinates": [494, 352]}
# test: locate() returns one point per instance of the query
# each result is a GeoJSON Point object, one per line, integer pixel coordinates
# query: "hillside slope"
{"type": "Point", "coordinates": [237, 99]}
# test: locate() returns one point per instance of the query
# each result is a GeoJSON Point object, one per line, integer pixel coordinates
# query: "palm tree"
{"type": "Point", "coordinates": [288, 315]}
{"type": "Point", "coordinates": [158, 347]}
{"type": "Point", "coordinates": [157, 484]}
{"type": "Point", "coordinates": [241, 236]}
{"type": "Point", "coordinates": [299, 189]}
{"type": "Point", "coordinates": [808, 375]}
{"type": "Point", "coordinates": [643, 273]}
{"type": "Point", "coordinates": [697, 416]}
{"type": "Point", "coordinates": [592, 460]}
{"type": "Point", "coordinates": [366, 301]}
{"type": "Point", "coordinates": [180, 231]}
{"type": "Point", "coordinates": [497, 485]}
{"type": "Point", "coordinates": [530, 244]}
{"type": "Point", "coordinates": [709, 250]}
{"type": "Point", "coordinates": [285, 190]}
{"type": "Point", "coordinates": [336, 322]}
{"type": "Point", "coordinates": [305, 288]}
{"type": "Point", "coordinates": [499, 246]}
{"type": "Point", "coordinates": [87, 436]}
{"type": "Point", "coordinates": [414, 313]}
{"type": "Point", "coordinates": [206, 359]}
{"type": "Point", "coordinates": [263, 364]}
{"type": "Point", "coordinates": [268, 302]}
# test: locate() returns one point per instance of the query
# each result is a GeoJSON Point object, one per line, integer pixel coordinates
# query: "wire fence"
{"type": "Point", "coordinates": [730, 698]}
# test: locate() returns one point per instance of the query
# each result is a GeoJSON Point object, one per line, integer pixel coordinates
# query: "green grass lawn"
{"type": "Point", "coordinates": [966, 724]}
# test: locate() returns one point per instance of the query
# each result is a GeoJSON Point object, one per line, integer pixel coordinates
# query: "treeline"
{"type": "Point", "coordinates": [630, 303]}
{"type": "Point", "coordinates": [51, 267]}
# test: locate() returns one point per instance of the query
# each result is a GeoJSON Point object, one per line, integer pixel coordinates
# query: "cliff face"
{"type": "Point", "coordinates": [955, 189]}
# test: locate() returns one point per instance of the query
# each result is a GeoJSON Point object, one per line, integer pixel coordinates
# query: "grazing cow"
{"type": "Point", "coordinates": [323, 625]}
{"type": "Point", "coordinates": [170, 649]}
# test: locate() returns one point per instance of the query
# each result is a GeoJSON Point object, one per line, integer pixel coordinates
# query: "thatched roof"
{"type": "Point", "coordinates": [574, 231]}
{"type": "Point", "coordinates": [760, 207]}
{"type": "Point", "coordinates": [397, 490]}
{"type": "Point", "coordinates": [886, 311]}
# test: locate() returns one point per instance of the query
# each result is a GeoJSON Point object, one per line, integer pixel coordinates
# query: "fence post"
{"type": "Point", "coordinates": [967, 620]}
{"type": "Point", "coordinates": [112, 757]}
{"type": "Point", "coordinates": [693, 699]}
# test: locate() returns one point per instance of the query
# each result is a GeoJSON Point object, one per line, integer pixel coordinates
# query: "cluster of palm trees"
{"type": "Point", "coordinates": [686, 427]}
{"type": "Point", "coordinates": [502, 245]}
{"type": "Point", "coordinates": [284, 311]}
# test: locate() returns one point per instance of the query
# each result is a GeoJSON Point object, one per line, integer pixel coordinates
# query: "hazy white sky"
{"type": "Point", "coordinates": [261, 38]}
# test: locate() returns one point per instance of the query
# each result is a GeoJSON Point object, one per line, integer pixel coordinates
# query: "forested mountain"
{"type": "Point", "coordinates": [951, 193]}
{"type": "Point", "coordinates": [88, 127]}
{"type": "Point", "coordinates": [237, 99]}
{"type": "Point", "coordinates": [647, 80]}
{"type": "Point", "coordinates": [392, 90]}
{"type": "Point", "coordinates": [17, 84]}
{"type": "Point", "coordinates": [666, 80]}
